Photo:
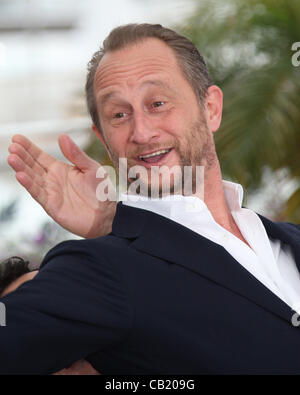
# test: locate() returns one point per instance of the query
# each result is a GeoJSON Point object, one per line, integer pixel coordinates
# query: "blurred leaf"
{"type": "Point", "coordinates": [292, 209]}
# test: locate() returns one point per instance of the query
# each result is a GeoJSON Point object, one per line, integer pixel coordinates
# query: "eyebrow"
{"type": "Point", "coordinates": [105, 98]}
{"type": "Point", "coordinates": [157, 83]}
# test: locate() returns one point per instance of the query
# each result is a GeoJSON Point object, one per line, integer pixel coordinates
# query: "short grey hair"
{"type": "Point", "coordinates": [190, 61]}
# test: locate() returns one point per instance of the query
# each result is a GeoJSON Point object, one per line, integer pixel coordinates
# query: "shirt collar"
{"type": "Point", "coordinates": [170, 205]}
{"type": "Point", "coordinates": [233, 194]}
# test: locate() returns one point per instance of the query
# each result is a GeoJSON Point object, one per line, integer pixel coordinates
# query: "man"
{"type": "Point", "coordinates": [183, 286]}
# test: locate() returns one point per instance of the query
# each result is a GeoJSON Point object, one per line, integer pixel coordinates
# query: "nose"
{"type": "Point", "coordinates": [144, 130]}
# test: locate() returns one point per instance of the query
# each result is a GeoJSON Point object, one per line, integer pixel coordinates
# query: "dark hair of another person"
{"type": "Point", "coordinates": [11, 269]}
{"type": "Point", "coordinates": [189, 59]}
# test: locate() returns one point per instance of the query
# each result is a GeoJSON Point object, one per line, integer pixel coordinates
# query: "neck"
{"type": "Point", "coordinates": [214, 198]}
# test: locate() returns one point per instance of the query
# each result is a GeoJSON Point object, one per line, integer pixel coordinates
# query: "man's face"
{"type": "Point", "coordinates": [146, 106]}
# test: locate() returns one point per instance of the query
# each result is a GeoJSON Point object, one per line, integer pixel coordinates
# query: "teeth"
{"type": "Point", "coordinates": [164, 151]}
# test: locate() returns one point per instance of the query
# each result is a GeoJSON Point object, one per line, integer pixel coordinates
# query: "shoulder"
{"type": "Point", "coordinates": [85, 253]}
{"type": "Point", "coordinates": [293, 230]}
{"type": "Point", "coordinates": [287, 231]}
{"type": "Point", "coordinates": [89, 249]}
{"type": "Point", "coordinates": [85, 267]}
{"type": "Point", "coordinates": [289, 227]}
{"type": "Point", "coordinates": [88, 261]}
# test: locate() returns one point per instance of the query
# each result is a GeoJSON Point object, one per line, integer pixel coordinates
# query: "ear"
{"type": "Point", "coordinates": [214, 107]}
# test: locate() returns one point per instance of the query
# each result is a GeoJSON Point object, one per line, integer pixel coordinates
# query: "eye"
{"type": "Point", "coordinates": [119, 115]}
{"type": "Point", "coordinates": [157, 104]}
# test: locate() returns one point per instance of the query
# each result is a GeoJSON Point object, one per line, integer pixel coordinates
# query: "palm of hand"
{"type": "Point", "coordinates": [66, 192]}
{"type": "Point", "coordinates": [71, 199]}
{"type": "Point", "coordinates": [63, 194]}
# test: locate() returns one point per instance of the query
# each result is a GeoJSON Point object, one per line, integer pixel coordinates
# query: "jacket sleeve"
{"type": "Point", "coordinates": [75, 306]}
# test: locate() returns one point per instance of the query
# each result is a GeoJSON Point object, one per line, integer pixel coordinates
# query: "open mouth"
{"type": "Point", "coordinates": [154, 157]}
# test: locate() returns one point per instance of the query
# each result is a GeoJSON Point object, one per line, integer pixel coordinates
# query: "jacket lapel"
{"type": "Point", "coordinates": [172, 242]}
{"type": "Point", "coordinates": [287, 233]}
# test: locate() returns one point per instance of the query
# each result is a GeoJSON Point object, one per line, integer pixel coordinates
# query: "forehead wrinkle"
{"type": "Point", "coordinates": [117, 77]}
{"type": "Point", "coordinates": [119, 71]}
{"type": "Point", "coordinates": [155, 82]}
{"type": "Point", "coordinates": [111, 86]}
{"type": "Point", "coordinates": [144, 61]}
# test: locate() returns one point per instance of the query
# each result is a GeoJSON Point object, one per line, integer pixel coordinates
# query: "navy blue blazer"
{"type": "Point", "coordinates": [152, 297]}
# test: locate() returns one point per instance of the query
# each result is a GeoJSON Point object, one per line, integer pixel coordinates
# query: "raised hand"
{"type": "Point", "coordinates": [66, 192]}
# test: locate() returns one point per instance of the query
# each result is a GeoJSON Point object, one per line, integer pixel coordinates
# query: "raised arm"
{"type": "Point", "coordinates": [67, 193]}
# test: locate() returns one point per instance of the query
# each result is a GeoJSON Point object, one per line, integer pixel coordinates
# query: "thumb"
{"type": "Point", "coordinates": [74, 154]}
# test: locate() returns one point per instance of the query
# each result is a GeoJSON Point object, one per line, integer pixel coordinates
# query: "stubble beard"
{"type": "Point", "coordinates": [197, 149]}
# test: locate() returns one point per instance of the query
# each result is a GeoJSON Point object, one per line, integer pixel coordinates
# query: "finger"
{"type": "Point", "coordinates": [36, 191]}
{"type": "Point", "coordinates": [45, 160]}
{"type": "Point", "coordinates": [74, 154]}
{"type": "Point", "coordinates": [19, 166]}
{"type": "Point", "coordinates": [18, 150]}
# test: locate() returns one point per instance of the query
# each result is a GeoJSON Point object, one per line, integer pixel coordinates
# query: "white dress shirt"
{"type": "Point", "coordinates": [269, 260]}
